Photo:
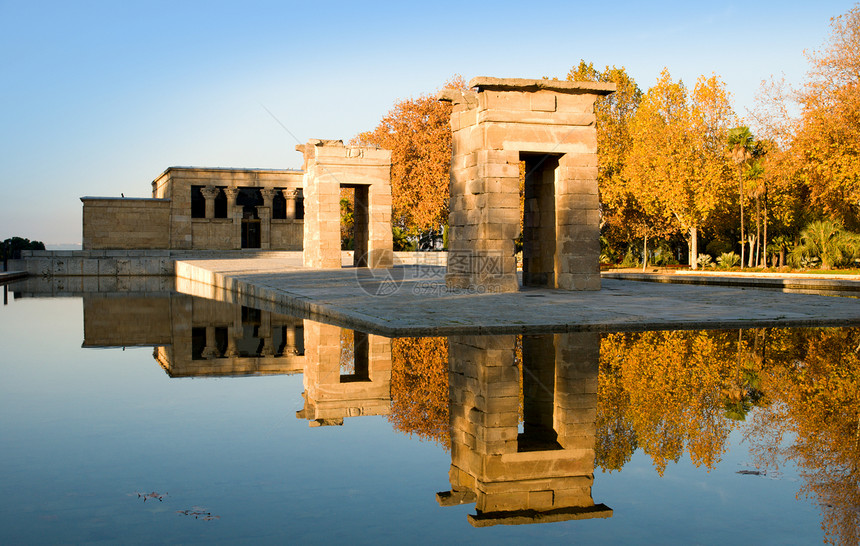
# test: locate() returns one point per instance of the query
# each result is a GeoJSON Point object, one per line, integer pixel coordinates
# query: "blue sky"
{"type": "Point", "coordinates": [98, 98]}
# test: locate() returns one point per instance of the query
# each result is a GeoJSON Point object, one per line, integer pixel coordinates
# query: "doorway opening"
{"type": "Point", "coordinates": [355, 221]}
{"type": "Point", "coordinates": [354, 357]}
{"type": "Point", "coordinates": [538, 384]}
{"type": "Point", "coordinates": [539, 232]}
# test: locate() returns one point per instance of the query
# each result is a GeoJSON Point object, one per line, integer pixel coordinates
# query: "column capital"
{"type": "Point", "coordinates": [231, 193]}
{"type": "Point", "coordinates": [268, 194]}
{"type": "Point", "coordinates": [209, 353]}
{"type": "Point", "coordinates": [210, 192]}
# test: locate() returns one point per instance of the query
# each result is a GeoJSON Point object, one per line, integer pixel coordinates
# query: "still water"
{"type": "Point", "coordinates": [163, 417]}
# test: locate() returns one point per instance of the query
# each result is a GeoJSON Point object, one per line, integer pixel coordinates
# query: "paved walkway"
{"type": "Point", "coordinates": [412, 301]}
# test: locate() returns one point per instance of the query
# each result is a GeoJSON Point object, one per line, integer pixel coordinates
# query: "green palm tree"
{"type": "Point", "coordinates": [740, 142]}
{"type": "Point", "coordinates": [824, 239]}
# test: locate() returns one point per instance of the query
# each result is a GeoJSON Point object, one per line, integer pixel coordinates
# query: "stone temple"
{"type": "Point", "coordinates": [233, 209]}
{"type": "Point", "coordinates": [524, 161]}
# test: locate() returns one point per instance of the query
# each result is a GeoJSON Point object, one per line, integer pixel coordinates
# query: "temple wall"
{"type": "Point", "coordinates": [127, 223]}
{"type": "Point", "coordinates": [111, 321]}
{"type": "Point", "coordinates": [213, 234]}
{"type": "Point", "coordinates": [287, 234]}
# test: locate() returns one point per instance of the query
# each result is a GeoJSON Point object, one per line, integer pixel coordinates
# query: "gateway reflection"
{"type": "Point", "coordinates": [545, 471]}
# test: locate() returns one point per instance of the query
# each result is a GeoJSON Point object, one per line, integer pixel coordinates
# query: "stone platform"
{"type": "Point", "coordinates": [413, 301]}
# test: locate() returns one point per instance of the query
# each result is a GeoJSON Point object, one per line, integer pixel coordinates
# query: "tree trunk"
{"type": "Point", "coordinates": [741, 194]}
{"type": "Point", "coordinates": [758, 229]}
{"type": "Point", "coordinates": [694, 247]}
{"type": "Point", "coordinates": [645, 254]}
{"type": "Point", "coordinates": [764, 242]}
{"type": "Point", "coordinates": [781, 256]}
{"type": "Point", "coordinates": [751, 258]}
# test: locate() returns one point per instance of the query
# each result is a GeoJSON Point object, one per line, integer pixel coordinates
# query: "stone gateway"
{"type": "Point", "coordinates": [546, 128]}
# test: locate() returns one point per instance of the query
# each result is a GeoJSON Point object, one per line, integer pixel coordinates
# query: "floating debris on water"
{"type": "Point", "coordinates": [153, 495]}
{"type": "Point", "coordinates": [198, 513]}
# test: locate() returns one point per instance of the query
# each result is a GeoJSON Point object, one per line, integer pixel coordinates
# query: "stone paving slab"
{"type": "Point", "coordinates": [421, 305]}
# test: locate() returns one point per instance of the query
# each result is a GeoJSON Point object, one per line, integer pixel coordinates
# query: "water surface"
{"type": "Point", "coordinates": [162, 417]}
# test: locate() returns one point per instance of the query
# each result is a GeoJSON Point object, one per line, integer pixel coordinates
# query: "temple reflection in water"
{"type": "Point", "coordinates": [522, 420]}
{"type": "Point", "coordinates": [194, 337]}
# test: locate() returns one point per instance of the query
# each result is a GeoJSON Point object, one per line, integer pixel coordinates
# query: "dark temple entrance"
{"type": "Point", "coordinates": [539, 222]}
{"type": "Point", "coordinates": [249, 199]}
{"type": "Point", "coordinates": [361, 223]}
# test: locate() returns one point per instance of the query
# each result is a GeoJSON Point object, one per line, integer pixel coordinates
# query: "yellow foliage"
{"type": "Point", "coordinates": [676, 167]}
{"type": "Point", "coordinates": [813, 404]}
{"type": "Point", "coordinates": [418, 133]}
{"type": "Point", "coordinates": [419, 388]}
{"type": "Point", "coordinates": [663, 392]}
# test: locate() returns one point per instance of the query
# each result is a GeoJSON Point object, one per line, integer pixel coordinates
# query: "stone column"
{"type": "Point", "coordinates": [265, 214]}
{"type": "Point", "coordinates": [210, 193]}
{"type": "Point", "coordinates": [290, 196]}
{"type": "Point", "coordinates": [235, 213]}
{"type": "Point", "coordinates": [232, 334]}
{"type": "Point", "coordinates": [290, 341]}
{"type": "Point", "coordinates": [211, 349]}
{"type": "Point", "coordinates": [265, 332]}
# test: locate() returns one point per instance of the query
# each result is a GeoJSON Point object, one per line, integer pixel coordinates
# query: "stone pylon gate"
{"type": "Point", "coordinates": [330, 166]}
{"type": "Point", "coordinates": [548, 128]}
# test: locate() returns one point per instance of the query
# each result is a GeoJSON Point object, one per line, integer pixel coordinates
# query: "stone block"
{"type": "Point", "coordinates": [107, 267]}
{"type": "Point", "coordinates": [543, 101]}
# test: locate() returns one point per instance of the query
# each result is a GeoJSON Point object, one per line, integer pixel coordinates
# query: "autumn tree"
{"type": "Point", "coordinates": [417, 132]}
{"type": "Point", "coordinates": [624, 212]}
{"type": "Point", "coordinates": [665, 393]}
{"type": "Point", "coordinates": [828, 136]}
{"type": "Point", "coordinates": [677, 164]}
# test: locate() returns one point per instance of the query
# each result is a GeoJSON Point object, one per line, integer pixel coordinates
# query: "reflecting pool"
{"type": "Point", "coordinates": [149, 415]}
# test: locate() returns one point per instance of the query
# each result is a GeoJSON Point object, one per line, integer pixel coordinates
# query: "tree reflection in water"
{"type": "Point", "coordinates": [672, 392]}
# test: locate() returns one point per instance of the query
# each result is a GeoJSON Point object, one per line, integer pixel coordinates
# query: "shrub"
{"type": "Point", "coordinates": [631, 259]}
{"type": "Point", "coordinates": [825, 240]}
{"type": "Point", "coordinates": [704, 260]}
{"type": "Point", "coordinates": [727, 260]}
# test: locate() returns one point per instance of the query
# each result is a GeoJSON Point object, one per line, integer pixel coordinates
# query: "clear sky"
{"type": "Point", "coordinates": [98, 98]}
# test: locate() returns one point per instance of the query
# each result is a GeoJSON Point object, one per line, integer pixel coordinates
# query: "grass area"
{"type": "Point", "coordinates": [664, 268]}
